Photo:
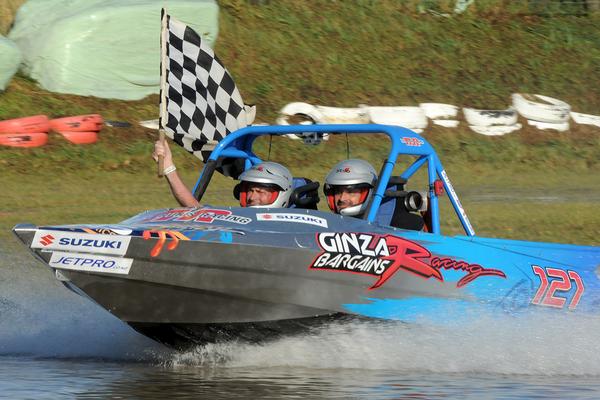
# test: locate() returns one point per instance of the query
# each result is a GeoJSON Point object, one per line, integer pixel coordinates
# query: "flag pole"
{"type": "Point", "coordinates": [161, 158]}
{"type": "Point", "coordinates": [163, 85]}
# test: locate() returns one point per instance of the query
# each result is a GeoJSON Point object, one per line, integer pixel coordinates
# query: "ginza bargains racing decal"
{"type": "Point", "coordinates": [80, 242]}
{"type": "Point", "coordinates": [288, 217]}
{"type": "Point", "coordinates": [381, 256]}
{"type": "Point", "coordinates": [90, 263]}
{"type": "Point", "coordinates": [206, 215]}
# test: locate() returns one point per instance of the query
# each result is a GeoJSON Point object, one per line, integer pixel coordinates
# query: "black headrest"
{"type": "Point", "coordinates": [232, 167]}
{"type": "Point", "coordinates": [397, 180]}
{"type": "Point", "coordinates": [395, 187]}
{"type": "Point", "coordinates": [306, 196]}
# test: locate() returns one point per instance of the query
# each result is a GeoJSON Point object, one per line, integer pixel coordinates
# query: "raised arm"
{"type": "Point", "coordinates": [182, 194]}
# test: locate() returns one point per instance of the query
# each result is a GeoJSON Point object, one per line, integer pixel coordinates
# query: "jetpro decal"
{"type": "Point", "coordinates": [90, 263]}
{"type": "Point", "coordinates": [80, 242]}
{"type": "Point", "coordinates": [555, 282]}
{"type": "Point", "coordinates": [162, 238]}
{"type": "Point", "coordinates": [288, 217]}
{"type": "Point", "coordinates": [206, 215]}
{"type": "Point", "coordinates": [381, 256]}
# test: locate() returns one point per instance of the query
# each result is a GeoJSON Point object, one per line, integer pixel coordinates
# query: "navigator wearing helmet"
{"type": "Point", "coordinates": [268, 184]}
{"type": "Point", "coordinates": [349, 187]}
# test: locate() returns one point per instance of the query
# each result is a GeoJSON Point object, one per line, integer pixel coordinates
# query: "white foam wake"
{"type": "Point", "coordinates": [536, 345]}
{"type": "Point", "coordinates": [41, 318]}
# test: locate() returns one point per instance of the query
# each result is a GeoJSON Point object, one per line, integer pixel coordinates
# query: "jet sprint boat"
{"type": "Point", "coordinates": [187, 276]}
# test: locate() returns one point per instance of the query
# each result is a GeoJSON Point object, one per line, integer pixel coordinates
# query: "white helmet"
{"type": "Point", "coordinates": [269, 174]}
{"type": "Point", "coordinates": [354, 174]}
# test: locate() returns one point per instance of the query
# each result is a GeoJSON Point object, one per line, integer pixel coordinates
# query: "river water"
{"type": "Point", "coordinates": [54, 344]}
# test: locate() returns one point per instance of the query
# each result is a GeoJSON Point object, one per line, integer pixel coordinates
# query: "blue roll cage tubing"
{"type": "Point", "coordinates": [238, 144]}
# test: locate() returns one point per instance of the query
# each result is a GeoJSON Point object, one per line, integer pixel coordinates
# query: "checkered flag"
{"type": "Point", "coordinates": [199, 102]}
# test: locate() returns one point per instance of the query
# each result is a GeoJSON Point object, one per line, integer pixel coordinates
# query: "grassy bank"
{"type": "Point", "coordinates": [344, 54]}
{"type": "Point", "coordinates": [523, 210]}
{"type": "Point", "coordinates": [369, 52]}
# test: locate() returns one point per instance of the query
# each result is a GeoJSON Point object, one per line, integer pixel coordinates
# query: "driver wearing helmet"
{"type": "Point", "coordinates": [268, 184]}
{"type": "Point", "coordinates": [349, 187]}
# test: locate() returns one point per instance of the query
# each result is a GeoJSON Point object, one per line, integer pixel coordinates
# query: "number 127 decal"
{"type": "Point", "coordinates": [554, 281]}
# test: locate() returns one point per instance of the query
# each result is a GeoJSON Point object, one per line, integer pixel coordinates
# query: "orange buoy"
{"type": "Point", "coordinates": [31, 139]}
{"type": "Point", "coordinates": [80, 137]}
{"type": "Point", "coordinates": [34, 124]}
{"type": "Point", "coordinates": [80, 123]}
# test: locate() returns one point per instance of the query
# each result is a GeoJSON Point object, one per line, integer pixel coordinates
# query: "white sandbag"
{"type": "Point", "coordinates": [339, 115]}
{"type": "Point", "coordinates": [102, 48]}
{"type": "Point", "coordinates": [585, 119]}
{"type": "Point", "coordinates": [10, 58]}
{"type": "Point", "coordinates": [478, 117]}
{"type": "Point", "coordinates": [299, 109]}
{"type": "Point", "coordinates": [495, 130]}
{"type": "Point", "coordinates": [408, 117]}
{"type": "Point", "coordinates": [560, 126]}
{"type": "Point", "coordinates": [446, 123]}
{"type": "Point", "coordinates": [541, 108]}
{"type": "Point", "coordinates": [308, 114]}
{"type": "Point", "coordinates": [439, 110]}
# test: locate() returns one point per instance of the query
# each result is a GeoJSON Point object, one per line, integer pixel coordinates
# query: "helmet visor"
{"type": "Point", "coordinates": [257, 194]}
{"type": "Point", "coordinates": [344, 196]}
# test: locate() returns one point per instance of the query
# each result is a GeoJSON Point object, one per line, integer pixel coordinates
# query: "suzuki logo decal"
{"type": "Point", "coordinates": [47, 240]}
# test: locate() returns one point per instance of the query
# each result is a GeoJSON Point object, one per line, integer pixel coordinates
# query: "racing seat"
{"type": "Point", "coordinates": [305, 194]}
{"type": "Point", "coordinates": [393, 210]}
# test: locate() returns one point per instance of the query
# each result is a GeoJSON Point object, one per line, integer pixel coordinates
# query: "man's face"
{"type": "Point", "coordinates": [345, 197]}
{"type": "Point", "coordinates": [258, 195]}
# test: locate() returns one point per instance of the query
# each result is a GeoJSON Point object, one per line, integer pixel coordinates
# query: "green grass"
{"type": "Point", "coordinates": [112, 196]}
{"type": "Point", "coordinates": [343, 54]}
{"type": "Point", "coordinates": [379, 53]}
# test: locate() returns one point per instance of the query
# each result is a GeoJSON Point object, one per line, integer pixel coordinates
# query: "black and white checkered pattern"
{"type": "Point", "coordinates": [200, 103]}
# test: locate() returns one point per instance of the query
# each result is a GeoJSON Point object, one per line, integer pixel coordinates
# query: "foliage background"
{"type": "Point", "coordinates": [345, 53]}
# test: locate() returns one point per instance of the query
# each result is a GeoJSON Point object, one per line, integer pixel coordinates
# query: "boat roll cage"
{"type": "Point", "coordinates": [238, 144]}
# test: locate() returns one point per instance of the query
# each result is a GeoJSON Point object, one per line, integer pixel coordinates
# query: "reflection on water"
{"type": "Point", "coordinates": [55, 343]}
{"type": "Point", "coordinates": [26, 378]}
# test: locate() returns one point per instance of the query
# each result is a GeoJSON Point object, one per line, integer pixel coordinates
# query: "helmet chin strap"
{"type": "Point", "coordinates": [357, 209]}
{"type": "Point", "coordinates": [350, 211]}
{"type": "Point", "coordinates": [354, 210]}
